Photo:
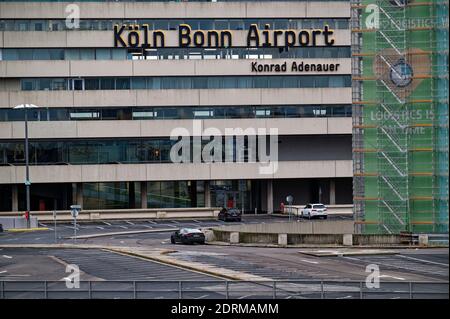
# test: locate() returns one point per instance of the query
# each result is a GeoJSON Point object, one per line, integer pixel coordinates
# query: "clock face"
{"type": "Point", "coordinates": [401, 74]}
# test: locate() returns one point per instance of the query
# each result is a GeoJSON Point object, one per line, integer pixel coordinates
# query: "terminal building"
{"type": "Point", "coordinates": [115, 82]}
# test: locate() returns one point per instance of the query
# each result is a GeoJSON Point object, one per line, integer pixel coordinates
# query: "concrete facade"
{"type": "Point", "coordinates": [314, 148]}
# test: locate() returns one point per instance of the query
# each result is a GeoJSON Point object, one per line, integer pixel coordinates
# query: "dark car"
{"type": "Point", "coordinates": [230, 214]}
{"type": "Point", "coordinates": [188, 236]}
{"type": "Point", "coordinates": [1, 228]}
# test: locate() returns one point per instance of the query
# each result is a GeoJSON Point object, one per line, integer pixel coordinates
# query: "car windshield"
{"type": "Point", "coordinates": [190, 230]}
{"type": "Point", "coordinates": [319, 206]}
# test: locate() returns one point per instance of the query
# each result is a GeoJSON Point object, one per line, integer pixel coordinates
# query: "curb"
{"type": "Point", "coordinates": [162, 230]}
{"type": "Point", "coordinates": [220, 243]}
{"type": "Point", "coordinates": [16, 230]}
{"type": "Point", "coordinates": [173, 263]}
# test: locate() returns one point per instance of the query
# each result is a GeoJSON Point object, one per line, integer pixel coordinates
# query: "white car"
{"type": "Point", "coordinates": [315, 210]}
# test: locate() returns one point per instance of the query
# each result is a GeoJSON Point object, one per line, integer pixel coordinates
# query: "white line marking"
{"type": "Point", "coordinates": [129, 223]}
{"type": "Point", "coordinates": [37, 238]}
{"type": "Point", "coordinates": [310, 261]}
{"type": "Point", "coordinates": [147, 226]}
{"type": "Point", "coordinates": [100, 227]}
{"type": "Point", "coordinates": [106, 223]}
{"type": "Point", "coordinates": [242, 297]}
{"type": "Point", "coordinates": [124, 227]}
{"type": "Point", "coordinates": [3, 271]}
{"type": "Point", "coordinates": [423, 260]}
{"type": "Point", "coordinates": [351, 258]}
{"type": "Point", "coordinates": [201, 297]}
{"type": "Point", "coordinates": [151, 222]}
{"type": "Point", "coordinates": [196, 221]}
{"type": "Point", "coordinates": [49, 228]}
{"type": "Point", "coordinates": [42, 224]}
{"type": "Point", "coordinates": [174, 221]}
{"type": "Point", "coordinates": [388, 276]}
{"type": "Point", "coordinates": [6, 256]}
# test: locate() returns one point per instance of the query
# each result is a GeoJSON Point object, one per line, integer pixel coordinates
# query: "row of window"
{"type": "Point", "coordinates": [161, 113]}
{"type": "Point", "coordinates": [174, 53]}
{"type": "Point", "coordinates": [150, 150]}
{"type": "Point", "coordinates": [172, 24]}
{"type": "Point", "coordinates": [188, 82]}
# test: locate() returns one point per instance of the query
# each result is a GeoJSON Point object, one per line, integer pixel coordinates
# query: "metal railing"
{"type": "Point", "coordinates": [222, 289]}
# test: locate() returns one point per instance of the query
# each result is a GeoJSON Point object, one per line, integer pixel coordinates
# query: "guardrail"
{"type": "Point", "coordinates": [219, 289]}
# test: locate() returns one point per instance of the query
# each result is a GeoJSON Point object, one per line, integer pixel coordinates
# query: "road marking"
{"type": "Point", "coordinates": [310, 261]}
{"type": "Point", "coordinates": [129, 223]}
{"type": "Point", "coordinates": [37, 238]}
{"type": "Point", "coordinates": [351, 258]}
{"type": "Point", "coordinates": [124, 227]}
{"type": "Point", "coordinates": [388, 276]}
{"type": "Point", "coordinates": [43, 225]}
{"type": "Point", "coordinates": [174, 221]}
{"type": "Point", "coordinates": [151, 222]}
{"type": "Point", "coordinates": [242, 297]}
{"type": "Point", "coordinates": [100, 227]}
{"type": "Point", "coordinates": [147, 226]}
{"type": "Point", "coordinates": [49, 228]}
{"type": "Point", "coordinates": [6, 256]}
{"type": "Point", "coordinates": [196, 221]}
{"type": "Point", "coordinates": [106, 223]}
{"type": "Point", "coordinates": [423, 260]}
{"type": "Point", "coordinates": [3, 271]}
{"type": "Point", "coordinates": [201, 297]}
{"type": "Point", "coordinates": [346, 297]}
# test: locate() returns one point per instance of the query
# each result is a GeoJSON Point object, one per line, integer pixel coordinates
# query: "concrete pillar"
{"type": "Point", "coordinates": [79, 191]}
{"type": "Point", "coordinates": [282, 240]}
{"type": "Point", "coordinates": [143, 194]}
{"type": "Point", "coordinates": [332, 192]}
{"type": "Point", "coordinates": [269, 196]}
{"type": "Point", "coordinates": [15, 198]}
{"type": "Point", "coordinates": [207, 194]}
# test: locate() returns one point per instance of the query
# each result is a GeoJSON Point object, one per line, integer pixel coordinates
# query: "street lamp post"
{"type": "Point", "coordinates": [27, 170]}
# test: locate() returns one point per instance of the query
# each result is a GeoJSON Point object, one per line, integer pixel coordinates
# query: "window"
{"type": "Point", "coordinates": [103, 54]}
{"type": "Point", "coordinates": [87, 54]}
{"type": "Point", "coordinates": [92, 84]}
{"type": "Point", "coordinates": [107, 84]}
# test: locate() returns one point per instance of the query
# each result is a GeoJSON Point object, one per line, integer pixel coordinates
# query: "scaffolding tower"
{"type": "Point", "coordinates": [400, 115]}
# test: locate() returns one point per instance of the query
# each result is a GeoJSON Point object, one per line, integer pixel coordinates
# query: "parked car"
{"type": "Point", "coordinates": [314, 210]}
{"type": "Point", "coordinates": [188, 236]}
{"type": "Point", "coordinates": [230, 214]}
{"type": "Point", "coordinates": [1, 228]}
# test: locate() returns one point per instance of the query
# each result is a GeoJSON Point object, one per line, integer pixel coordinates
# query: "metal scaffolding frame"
{"type": "Point", "coordinates": [399, 144]}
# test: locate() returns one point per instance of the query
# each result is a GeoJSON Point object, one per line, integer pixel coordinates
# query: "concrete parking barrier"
{"type": "Point", "coordinates": [347, 239]}
{"type": "Point", "coordinates": [234, 238]}
{"type": "Point", "coordinates": [423, 240]}
{"type": "Point", "coordinates": [282, 239]}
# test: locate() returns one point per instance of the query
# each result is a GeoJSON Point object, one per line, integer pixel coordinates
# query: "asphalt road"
{"type": "Point", "coordinates": [296, 270]}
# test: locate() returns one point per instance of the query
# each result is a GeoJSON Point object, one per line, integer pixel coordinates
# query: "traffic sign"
{"type": "Point", "coordinates": [289, 199]}
{"type": "Point", "coordinates": [75, 210]}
